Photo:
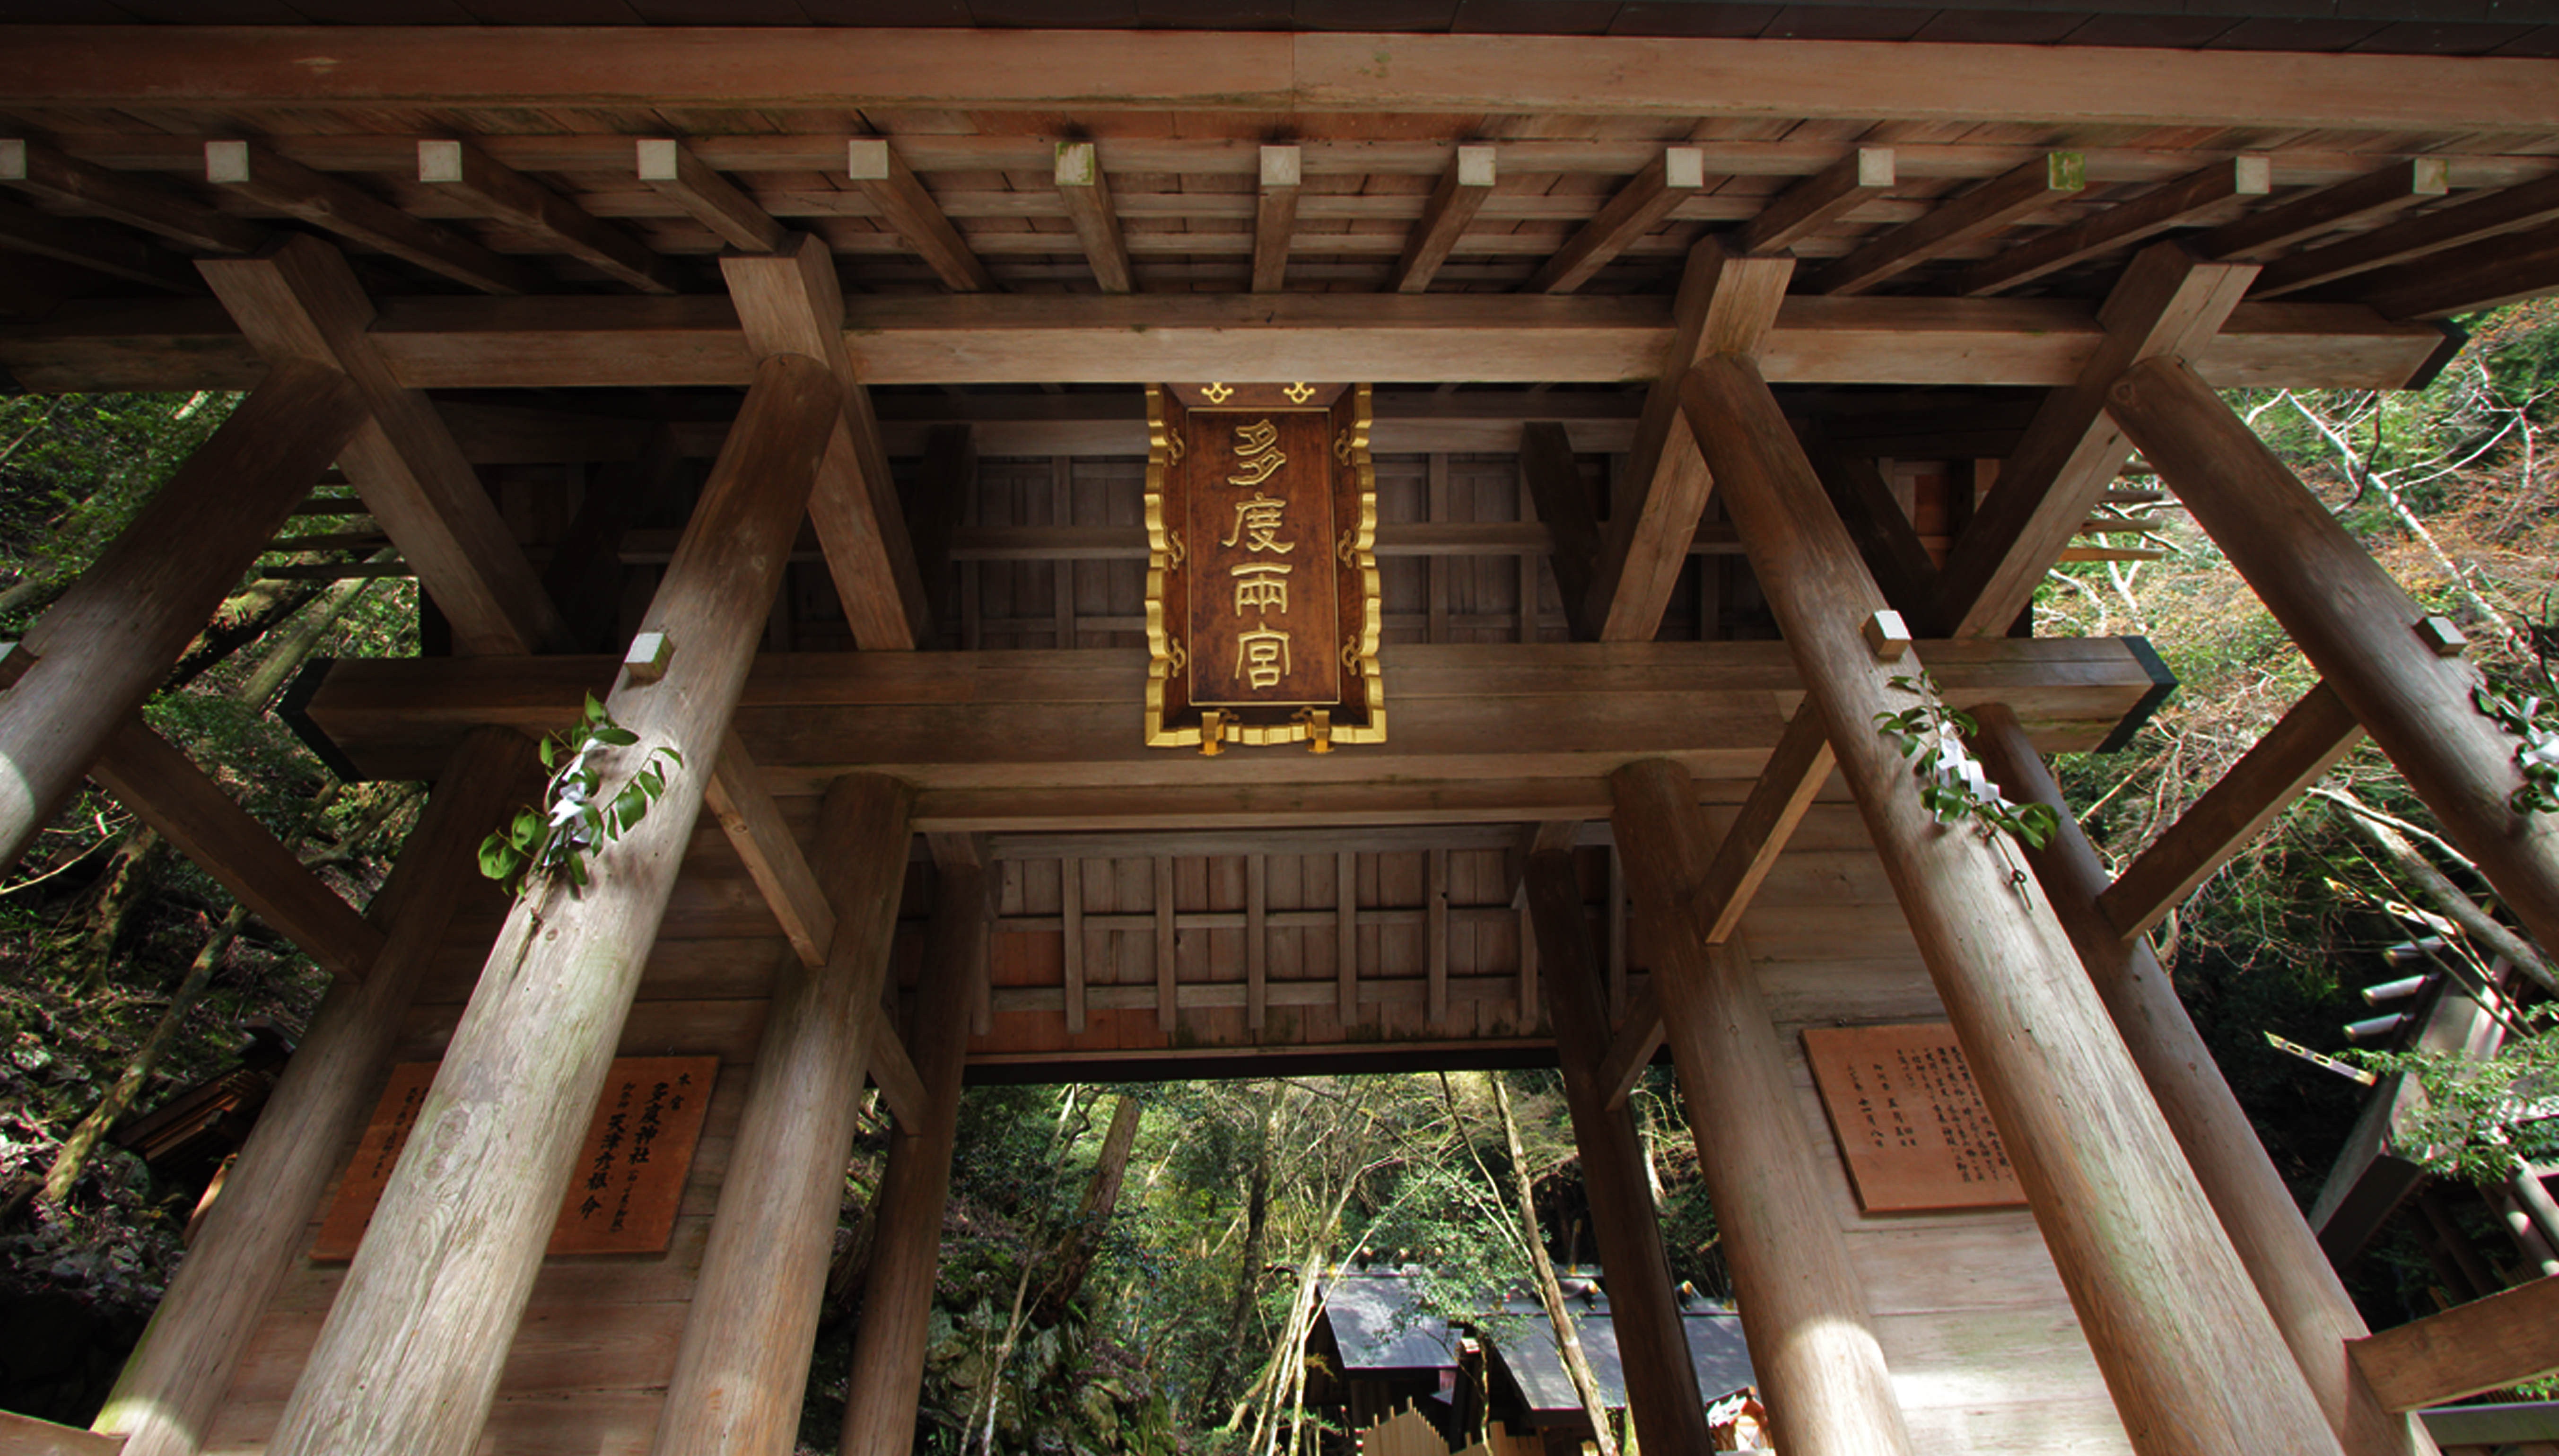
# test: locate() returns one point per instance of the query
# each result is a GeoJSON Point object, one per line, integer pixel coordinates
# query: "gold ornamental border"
{"type": "Point", "coordinates": [1357, 550]}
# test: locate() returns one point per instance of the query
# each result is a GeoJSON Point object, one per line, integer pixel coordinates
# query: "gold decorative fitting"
{"type": "Point", "coordinates": [1319, 729]}
{"type": "Point", "coordinates": [1300, 393]}
{"type": "Point", "coordinates": [1351, 654]}
{"type": "Point", "coordinates": [1347, 551]}
{"type": "Point", "coordinates": [1219, 394]}
{"type": "Point", "coordinates": [1178, 654]}
{"type": "Point", "coordinates": [1342, 447]}
{"type": "Point", "coordinates": [1178, 552]}
{"type": "Point", "coordinates": [1212, 733]}
{"type": "Point", "coordinates": [1176, 445]}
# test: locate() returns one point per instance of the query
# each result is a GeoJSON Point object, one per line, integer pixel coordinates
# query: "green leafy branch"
{"type": "Point", "coordinates": [1952, 785]}
{"type": "Point", "coordinates": [2483, 1118]}
{"type": "Point", "coordinates": [575, 818]}
{"type": "Point", "coordinates": [2537, 750]}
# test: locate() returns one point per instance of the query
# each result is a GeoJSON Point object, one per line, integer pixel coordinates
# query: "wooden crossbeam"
{"type": "Point", "coordinates": [2293, 755]}
{"type": "Point", "coordinates": [1725, 303]}
{"type": "Point", "coordinates": [95, 246]}
{"type": "Point", "coordinates": [300, 300]}
{"type": "Point", "coordinates": [463, 171]}
{"type": "Point", "coordinates": [2485, 1345]}
{"type": "Point", "coordinates": [1274, 216]}
{"type": "Point", "coordinates": [1986, 209]}
{"type": "Point", "coordinates": [1749, 850]}
{"type": "Point", "coordinates": [1817, 202]}
{"type": "Point", "coordinates": [2167, 303]}
{"type": "Point", "coordinates": [2505, 209]}
{"type": "Point", "coordinates": [876, 168]}
{"type": "Point", "coordinates": [2269, 231]}
{"type": "Point", "coordinates": [892, 1070]}
{"type": "Point", "coordinates": [1882, 531]}
{"type": "Point", "coordinates": [2506, 268]}
{"type": "Point", "coordinates": [39, 171]}
{"type": "Point", "coordinates": [1637, 208]}
{"type": "Point", "coordinates": [1453, 204]}
{"type": "Point", "coordinates": [790, 304]}
{"type": "Point", "coordinates": [756, 831]}
{"type": "Point", "coordinates": [669, 169]}
{"type": "Point", "coordinates": [2121, 226]}
{"type": "Point", "coordinates": [335, 208]}
{"type": "Point", "coordinates": [1086, 194]}
{"type": "Point", "coordinates": [1563, 502]}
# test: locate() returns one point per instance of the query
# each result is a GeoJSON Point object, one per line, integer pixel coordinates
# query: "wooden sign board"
{"type": "Point", "coordinates": [630, 1172]}
{"type": "Point", "coordinates": [1909, 1120]}
{"type": "Point", "coordinates": [1263, 609]}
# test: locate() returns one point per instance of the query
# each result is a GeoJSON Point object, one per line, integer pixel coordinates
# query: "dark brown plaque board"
{"type": "Point", "coordinates": [1910, 1123]}
{"type": "Point", "coordinates": [630, 1173]}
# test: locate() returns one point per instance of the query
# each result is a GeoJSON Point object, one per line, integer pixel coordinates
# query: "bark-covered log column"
{"type": "Point", "coordinates": [2352, 622]}
{"type": "Point", "coordinates": [1652, 1342]}
{"type": "Point", "coordinates": [743, 1365]}
{"type": "Point", "coordinates": [408, 1361]}
{"type": "Point", "coordinates": [1803, 1309]}
{"type": "Point", "coordinates": [2193, 1360]}
{"type": "Point", "coordinates": [2300, 1286]}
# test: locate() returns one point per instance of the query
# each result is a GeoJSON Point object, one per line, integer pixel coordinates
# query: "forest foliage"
{"type": "Point", "coordinates": [1175, 1316]}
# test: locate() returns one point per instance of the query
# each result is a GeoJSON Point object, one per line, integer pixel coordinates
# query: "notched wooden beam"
{"type": "Point", "coordinates": [1637, 208]}
{"type": "Point", "coordinates": [1950, 225]}
{"type": "Point", "coordinates": [464, 170]}
{"type": "Point", "coordinates": [2507, 209]}
{"type": "Point", "coordinates": [874, 167]}
{"type": "Point", "coordinates": [1086, 194]}
{"type": "Point", "coordinates": [39, 171]}
{"type": "Point", "coordinates": [335, 208]}
{"type": "Point", "coordinates": [1274, 216]}
{"type": "Point", "coordinates": [97, 247]}
{"type": "Point", "coordinates": [2121, 226]}
{"type": "Point", "coordinates": [2374, 194]}
{"type": "Point", "coordinates": [1816, 202]}
{"type": "Point", "coordinates": [1459, 197]}
{"type": "Point", "coordinates": [669, 169]}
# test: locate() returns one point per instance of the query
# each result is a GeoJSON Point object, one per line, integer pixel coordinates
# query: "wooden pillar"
{"type": "Point", "coordinates": [408, 1360]}
{"type": "Point", "coordinates": [2193, 1360]}
{"type": "Point", "coordinates": [1803, 1309]}
{"type": "Point", "coordinates": [1653, 1343]}
{"type": "Point", "coordinates": [108, 642]}
{"type": "Point", "coordinates": [255, 1233]}
{"type": "Point", "coordinates": [2301, 1288]}
{"type": "Point", "coordinates": [2353, 622]}
{"type": "Point", "coordinates": [741, 1369]}
{"type": "Point", "coordinates": [906, 1247]}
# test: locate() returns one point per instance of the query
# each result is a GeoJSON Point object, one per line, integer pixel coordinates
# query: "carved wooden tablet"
{"type": "Point", "coordinates": [1909, 1120]}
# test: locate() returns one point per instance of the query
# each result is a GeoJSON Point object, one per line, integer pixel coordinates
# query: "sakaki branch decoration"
{"type": "Point", "coordinates": [575, 818]}
{"type": "Point", "coordinates": [2537, 750]}
{"type": "Point", "coordinates": [1951, 784]}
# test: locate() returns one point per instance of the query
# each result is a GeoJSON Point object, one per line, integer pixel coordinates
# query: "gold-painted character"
{"type": "Point", "coordinates": [1257, 524]}
{"type": "Point", "coordinates": [1262, 657]}
{"type": "Point", "coordinates": [1259, 586]}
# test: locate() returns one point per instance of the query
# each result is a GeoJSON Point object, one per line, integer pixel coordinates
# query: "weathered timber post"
{"type": "Point", "coordinates": [254, 1233]}
{"type": "Point", "coordinates": [408, 1360]}
{"type": "Point", "coordinates": [743, 1365]}
{"type": "Point", "coordinates": [1653, 1343]}
{"type": "Point", "coordinates": [2300, 1286]}
{"type": "Point", "coordinates": [906, 1249]}
{"type": "Point", "coordinates": [2353, 623]}
{"type": "Point", "coordinates": [1803, 1309]}
{"type": "Point", "coordinates": [2193, 1360]}
{"type": "Point", "coordinates": [107, 644]}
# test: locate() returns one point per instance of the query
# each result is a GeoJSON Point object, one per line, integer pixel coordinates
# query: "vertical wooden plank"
{"type": "Point", "coordinates": [1167, 948]}
{"type": "Point", "coordinates": [1070, 899]}
{"type": "Point", "coordinates": [1528, 968]}
{"type": "Point", "coordinates": [1437, 511]}
{"type": "Point", "coordinates": [1061, 511]}
{"type": "Point", "coordinates": [1346, 934]}
{"type": "Point", "coordinates": [1257, 940]}
{"type": "Point", "coordinates": [1434, 892]}
{"type": "Point", "coordinates": [1527, 560]}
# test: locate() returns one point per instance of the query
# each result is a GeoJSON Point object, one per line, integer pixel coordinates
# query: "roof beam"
{"type": "Point", "coordinates": [300, 300]}
{"type": "Point", "coordinates": [2507, 209]}
{"type": "Point", "coordinates": [876, 168]}
{"type": "Point", "coordinates": [1639, 207]}
{"type": "Point", "coordinates": [2167, 302]}
{"type": "Point", "coordinates": [669, 169]}
{"type": "Point", "coordinates": [1882, 532]}
{"type": "Point", "coordinates": [791, 304]}
{"type": "Point", "coordinates": [461, 169]}
{"type": "Point", "coordinates": [1274, 216]}
{"type": "Point", "coordinates": [1725, 305]}
{"type": "Point", "coordinates": [2271, 229]}
{"type": "Point", "coordinates": [1986, 209]}
{"type": "Point", "coordinates": [1086, 194]}
{"type": "Point", "coordinates": [2120, 226]}
{"type": "Point", "coordinates": [97, 247]}
{"type": "Point", "coordinates": [335, 208]}
{"type": "Point", "coordinates": [2482, 274]}
{"type": "Point", "coordinates": [1817, 202]}
{"type": "Point", "coordinates": [2509, 1336]}
{"type": "Point", "coordinates": [1453, 204]}
{"type": "Point", "coordinates": [41, 172]}
{"type": "Point", "coordinates": [764, 843]}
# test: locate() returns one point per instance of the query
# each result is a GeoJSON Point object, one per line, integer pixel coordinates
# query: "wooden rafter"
{"type": "Point", "coordinates": [2374, 194]}
{"type": "Point", "coordinates": [1726, 305]}
{"type": "Point", "coordinates": [1275, 218]}
{"type": "Point", "coordinates": [1459, 196]}
{"type": "Point", "coordinates": [341, 209]}
{"type": "Point", "coordinates": [2121, 226]}
{"type": "Point", "coordinates": [1817, 202]}
{"type": "Point", "coordinates": [880, 173]}
{"type": "Point", "coordinates": [764, 843]}
{"type": "Point", "coordinates": [2293, 755]}
{"type": "Point", "coordinates": [2494, 270]}
{"type": "Point", "coordinates": [95, 246]}
{"type": "Point", "coordinates": [1984, 210]}
{"type": "Point", "coordinates": [1637, 208]}
{"type": "Point", "coordinates": [669, 169]}
{"type": "Point", "coordinates": [1086, 194]}
{"type": "Point", "coordinates": [463, 171]}
{"type": "Point", "coordinates": [41, 172]}
{"type": "Point", "coordinates": [2505, 209]}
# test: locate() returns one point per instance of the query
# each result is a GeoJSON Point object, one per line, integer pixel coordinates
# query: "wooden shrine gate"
{"type": "Point", "coordinates": [785, 388]}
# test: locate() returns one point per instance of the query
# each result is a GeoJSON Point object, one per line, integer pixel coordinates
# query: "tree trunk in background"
{"type": "Point", "coordinates": [1101, 1195]}
{"type": "Point", "coordinates": [1247, 1281]}
{"type": "Point", "coordinates": [286, 657]}
{"type": "Point", "coordinates": [1567, 1342]}
{"type": "Point", "coordinates": [129, 875]}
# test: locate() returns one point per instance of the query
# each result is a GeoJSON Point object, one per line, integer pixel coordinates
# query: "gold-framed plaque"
{"type": "Point", "coordinates": [1910, 1121]}
{"type": "Point", "coordinates": [1263, 603]}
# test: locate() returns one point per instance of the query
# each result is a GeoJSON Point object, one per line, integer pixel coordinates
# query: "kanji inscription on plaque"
{"type": "Point", "coordinates": [1909, 1120]}
{"type": "Point", "coordinates": [630, 1173]}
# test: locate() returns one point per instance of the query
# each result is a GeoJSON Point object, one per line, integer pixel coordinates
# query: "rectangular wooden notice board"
{"type": "Point", "coordinates": [630, 1172]}
{"type": "Point", "coordinates": [1910, 1123]}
